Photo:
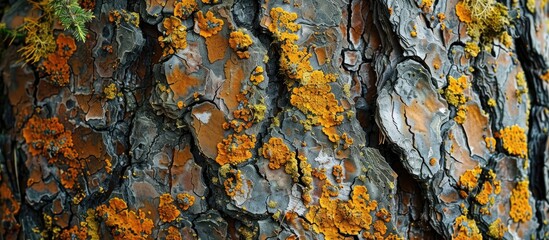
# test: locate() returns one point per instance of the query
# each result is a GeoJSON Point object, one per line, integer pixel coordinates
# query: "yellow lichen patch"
{"type": "Point", "coordinates": [315, 97]}
{"type": "Point", "coordinates": [185, 8]}
{"type": "Point", "coordinates": [335, 218]}
{"type": "Point", "coordinates": [295, 62]}
{"type": "Point", "coordinates": [469, 180]}
{"type": "Point", "coordinates": [282, 22]}
{"type": "Point", "coordinates": [124, 223]}
{"type": "Point", "coordinates": [166, 210]}
{"type": "Point", "coordinates": [306, 178]}
{"type": "Point", "coordinates": [175, 36]}
{"type": "Point", "coordinates": [56, 64]}
{"type": "Point", "coordinates": [455, 96]}
{"type": "Point", "coordinates": [276, 152]}
{"type": "Point", "coordinates": [257, 75]}
{"type": "Point", "coordinates": [514, 141]}
{"type": "Point", "coordinates": [235, 149]}
{"type": "Point", "coordinates": [491, 102]}
{"type": "Point", "coordinates": [497, 229]}
{"type": "Point", "coordinates": [92, 224]}
{"type": "Point", "coordinates": [233, 184]}
{"type": "Point", "coordinates": [208, 25]}
{"type": "Point", "coordinates": [522, 87]}
{"type": "Point", "coordinates": [486, 20]}
{"type": "Point", "coordinates": [490, 143]}
{"type": "Point", "coordinates": [472, 48]}
{"type": "Point", "coordinates": [454, 92]}
{"type": "Point", "coordinates": [520, 211]}
{"type": "Point", "coordinates": [110, 91]}
{"type": "Point", "coordinates": [466, 229]}
{"type": "Point", "coordinates": [337, 171]}
{"type": "Point", "coordinates": [426, 5]}
{"type": "Point", "coordinates": [185, 201]}
{"type": "Point", "coordinates": [483, 196]}
{"type": "Point", "coordinates": [211, 1]}
{"type": "Point", "coordinates": [240, 42]}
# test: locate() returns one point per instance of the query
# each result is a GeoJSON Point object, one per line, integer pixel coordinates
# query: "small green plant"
{"type": "Point", "coordinates": [72, 17]}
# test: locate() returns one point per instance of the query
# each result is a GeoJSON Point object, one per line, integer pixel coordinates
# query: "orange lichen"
{"type": "Point", "coordinates": [173, 234]}
{"type": "Point", "coordinates": [520, 211]}
{"type": "Point", "coordinates": [208, 25]}
{"type": "Point", "coordinates": [483, 196]}
{"type": "Point", "coordinates": [235, 149]}
{"type": "Point", "coordinates": [48, 137]}
{"type": "Point", "coordinates": [497, 229]}
{"type": "Point", "coordinates": [466, 229]}
{"type": "Point", "coordinates": [75, 232]}
{"type": "Point", "coordinates": [490, 143]}
{"type": "Point", "coordinates": [257, 75]}
{"type": "Point", "coordinates": [469, 180]}
{"type": "Point", "coordinates": [337, 171]}
{"type": "Point", "coordinates": [185, 8]}
{"type": "Point", "coordinates": [306, 178]}
{"type": "Point", "coordinates": [56, 64]}
{"type": "Point", "coordinates": [166, 210]}
{"type": "Point", "coordinates": [335, 218]}
{"type": "Point", "coordinates": [276, 152]}
{"type": "Point", "coordinates": [454, 92]}
{"type": "Point", "coordinates": [233, 184]}
{"type": "Point", "coordinates": [432, 161]}
{"type": "Point", "coordinates": [211, 1]}
{"type": "Point", "coordinates": [294, 62]}
{"type": "Point", "coordinates": [185, 201]}
{"type": "Point", "coordinates": [282, 22]}
{"type": "Point", "coordinates": [514, 141]}
{"type": "Point", "coordinates": [175, 36]}
{"type": "Point", "coordinates": [240, 42]}
{"type": "Point", "coordinates": [315, 97]}
{"type": "Point", "coordinates": [124, 223]}
{"type": "Point", "coordinates": [463, 12]}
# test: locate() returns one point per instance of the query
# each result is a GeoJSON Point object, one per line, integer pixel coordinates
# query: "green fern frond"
{"type": "Point", "coordinates": [72, 17]}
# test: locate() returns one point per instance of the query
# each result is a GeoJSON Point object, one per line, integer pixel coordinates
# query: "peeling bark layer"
{"type": "Point", "coordinates": [277, 120]}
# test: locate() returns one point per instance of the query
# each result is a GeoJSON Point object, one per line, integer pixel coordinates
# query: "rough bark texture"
{"type": "Point", "coordinates": [275, 119]}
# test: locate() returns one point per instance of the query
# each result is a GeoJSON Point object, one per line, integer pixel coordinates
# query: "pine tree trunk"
{"type": "Point", "coordinates": [292, 119]}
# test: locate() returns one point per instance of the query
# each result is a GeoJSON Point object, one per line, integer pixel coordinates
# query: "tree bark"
{"type": "Point", "coordinates": [243, 119]}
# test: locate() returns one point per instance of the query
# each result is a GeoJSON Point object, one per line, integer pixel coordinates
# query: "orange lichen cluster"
{"type": "Point", "coordinates": [235, 149]}
{"type": "Point", "coordinates": [173, 234]}
{"type": "Point", "coordinates": [306, 178]}
{"type": "Point", "coordinates": [240, 42]}
{"type": "Point", "coordinates": [75, 232]}
{"type": "Point", "coordinates": [185, 201]}
{"type": "Point", "coordinates": [313, 94]}
{"type": "Point", "coordinates": [315, 97]}
{"type": "Point", "coordinates": [124, 223]}
{"type": "Point", "coordinates": [520, 211]}
{"type": "Point", "coordinates": [497, 229]}
{"type": "Point", "coordinates": [257, 75]}
{"type": "Point", "coordinates": [466, 229]}
{"type": "Point", "coordinates": [277, 152]}
{"type": "Point", "coordinates": [166, 209]}
{"type": "Point", "coordinates": [208, 25]}
{"type": "Point", "coordinates": [337, 171]}
{"type": "Point", "coordinates": [514, 141]}
{"type": "Point", "coordinates": [48, 138]}
{"type": "Point", "coordinates": [9, 208]}
{"type": "Point", "coordinates": [455, 96]}
{"type": "Point", "coordinates": [56, 64]}
{"type": "Point", "coordinates": [469, 180]}
{"type": "Point", "coordinates": [233, 184]}
{"type": "Point", "coordinates": [175, 36]}
{"type": "Point", "coordinates": [211, 1]}
{"type": "Point", "coordinates": [426, 5]}
{"type": "Point", "coordinates": [184, 9]}
{"type": "Point", "coordinates": [335, 218]}
{"type": "Point", "coordinates": [490, 143]}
